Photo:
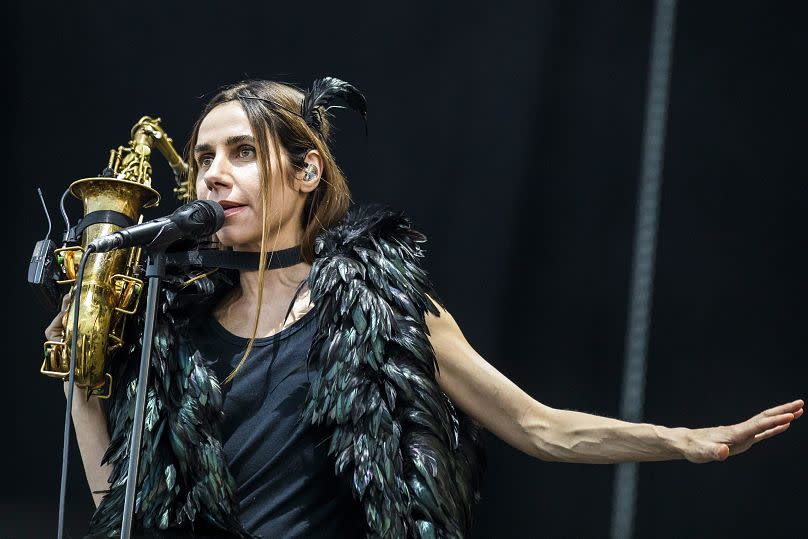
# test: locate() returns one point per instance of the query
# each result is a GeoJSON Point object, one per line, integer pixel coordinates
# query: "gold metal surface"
{"type": "Point", "coordinates": [110, 290]}
{"type": "Point", "coordinates": [69, 258]}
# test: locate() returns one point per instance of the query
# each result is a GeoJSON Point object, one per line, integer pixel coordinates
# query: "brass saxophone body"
{"type": "Point", "coordinates": [110, 289]}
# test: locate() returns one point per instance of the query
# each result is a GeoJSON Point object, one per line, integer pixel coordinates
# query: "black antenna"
{"type": "Point", "coordinates": [47, 214]}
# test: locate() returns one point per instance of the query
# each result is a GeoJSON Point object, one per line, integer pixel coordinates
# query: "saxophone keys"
{"type": "Point", "coordinates": [129, 289]}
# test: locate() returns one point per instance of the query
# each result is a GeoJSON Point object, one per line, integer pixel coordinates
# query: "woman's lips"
{"type": "Point", "coordinates": [232, 210]}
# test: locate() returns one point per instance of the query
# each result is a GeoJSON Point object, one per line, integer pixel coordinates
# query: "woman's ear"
{"type": "Point", "coordinates": [307, 179]}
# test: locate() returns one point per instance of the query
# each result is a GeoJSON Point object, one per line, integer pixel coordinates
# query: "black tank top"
{"type": "Point", "coordinates": [285, 481]}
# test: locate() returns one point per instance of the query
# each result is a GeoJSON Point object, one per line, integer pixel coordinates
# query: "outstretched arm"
{"type": "Point", "coordinates": [547, 433]}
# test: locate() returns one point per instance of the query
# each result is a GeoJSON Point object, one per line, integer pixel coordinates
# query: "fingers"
{"type": "Point", "coordinates": [772, 432]}
{"type": "Point", "coordinates": [767, 427]}
{"type": "Point", "coordinates": [758, 425]}
{"type": "Point", "coordinates": [738, 438]}
{"type": "Point", "coordinates": [771, 422]}
{"type": "Point", "coordinates": [56, 328]}
{"type": "Point", "coordinates": [784, 408]}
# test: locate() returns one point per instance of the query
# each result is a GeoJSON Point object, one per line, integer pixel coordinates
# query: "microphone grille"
{"type": "Point", "coordinates": [210, 213]}
{"type": "Point", "coordinates": [200, 217]}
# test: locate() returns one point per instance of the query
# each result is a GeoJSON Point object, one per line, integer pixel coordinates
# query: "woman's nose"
{"type": "Point", "coordinates": [218, 174]}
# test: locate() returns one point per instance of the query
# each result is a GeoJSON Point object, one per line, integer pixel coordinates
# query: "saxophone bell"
{"type": "Point", "coordinates": [110, 290]}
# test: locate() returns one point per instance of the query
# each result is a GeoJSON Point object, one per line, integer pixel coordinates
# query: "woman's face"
{"type": "Point", "coordinates": [229, 173]}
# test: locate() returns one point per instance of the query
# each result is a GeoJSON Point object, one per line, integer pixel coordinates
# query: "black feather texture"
{"type": "Point", "coordinates": [183, 480]}
{"type": "Point", "coordinates": [317, 101]}
{"type": "Point", "coordinates": [414, 461]}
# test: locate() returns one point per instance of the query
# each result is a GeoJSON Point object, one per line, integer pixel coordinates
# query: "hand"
{"type": "Point", "coordinates": [718, 443]}
{"type": "Point", "coordinates": [56, 330]}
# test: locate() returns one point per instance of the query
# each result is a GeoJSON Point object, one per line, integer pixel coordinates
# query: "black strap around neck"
{"type": "Point", "coordinates": [214, 258]}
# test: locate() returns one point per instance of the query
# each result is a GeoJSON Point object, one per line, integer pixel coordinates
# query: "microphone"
{"type": "Point", "coordinates": [193, 220]}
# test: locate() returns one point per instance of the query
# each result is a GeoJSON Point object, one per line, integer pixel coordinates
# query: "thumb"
{"type": "Point", "coordinates": [721, 451]}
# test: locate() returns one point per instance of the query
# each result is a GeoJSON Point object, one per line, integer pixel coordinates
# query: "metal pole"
{"type": "Point", "coordinates": [155, 271]}
{"type": "Point", "coordinates": [642, 278]}
{"type": "Point", "coordinates": [71, 384]}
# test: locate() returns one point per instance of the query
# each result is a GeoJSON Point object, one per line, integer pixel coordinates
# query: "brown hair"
{"type": "Point", "coordinates": [273, 110]}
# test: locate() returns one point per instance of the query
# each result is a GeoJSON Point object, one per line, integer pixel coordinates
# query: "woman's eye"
{"type": "Point", "coordinates": [205, 161]}
{"type": "Point", "coordinates": [246, 152]}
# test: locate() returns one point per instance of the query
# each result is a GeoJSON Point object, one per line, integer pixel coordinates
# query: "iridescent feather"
{"type": "Point", "coordinates": [183, 480]}
{"type": "Point", "coordinates": [414, 461]}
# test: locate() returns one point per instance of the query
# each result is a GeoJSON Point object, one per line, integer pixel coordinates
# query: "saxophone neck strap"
{"type": "Point", "coordinates": [238, 260]}
{"type": "Point", "coordinates": [93, 218]}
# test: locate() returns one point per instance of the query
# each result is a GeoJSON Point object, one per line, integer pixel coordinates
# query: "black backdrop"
{"type": "Point", "coordinates": [510, 132]}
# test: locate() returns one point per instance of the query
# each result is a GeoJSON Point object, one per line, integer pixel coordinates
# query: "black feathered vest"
{"type": "Point", "coordinates": [413, 460]}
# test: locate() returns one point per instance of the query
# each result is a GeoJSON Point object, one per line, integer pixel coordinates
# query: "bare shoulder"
{"type": "Point", "coordinates": [452, 351]}
{"type": "Point", "coordinates": [442, 323]}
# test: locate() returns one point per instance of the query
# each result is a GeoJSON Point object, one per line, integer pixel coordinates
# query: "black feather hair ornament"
{"type": "Point", "coordinates": [323, 91]}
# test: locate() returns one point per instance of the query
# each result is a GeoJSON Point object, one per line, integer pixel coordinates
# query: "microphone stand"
{"type": "Point", "coordinates": [155, 272]}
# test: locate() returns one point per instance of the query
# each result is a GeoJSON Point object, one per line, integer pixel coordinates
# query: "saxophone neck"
{"type": "Point", "coordinates": [148, 134]}
{"type": "Point", "coordinates": [132, 162]}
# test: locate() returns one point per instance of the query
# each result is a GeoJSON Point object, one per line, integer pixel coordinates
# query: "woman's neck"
{"type": "Point", "coordinates": [238, 309]}
{"type": "Point", "coordinates": [277, 283]}
{"type": "Point", "coordinates": [281, 282]}
{"type": "Point", "coordinates": [278, 287]}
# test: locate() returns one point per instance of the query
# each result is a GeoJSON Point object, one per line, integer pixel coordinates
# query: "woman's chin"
{"type": "Point", "coordinates": [238, 244]}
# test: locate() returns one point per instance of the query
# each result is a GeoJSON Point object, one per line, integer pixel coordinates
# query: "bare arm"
{"type": "Point", "coordinates": [568, 436]}
{"type": "Point", "coordinates": [89, 422]}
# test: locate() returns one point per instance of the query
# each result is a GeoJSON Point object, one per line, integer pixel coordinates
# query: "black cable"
{"type": "Point", "coordinates": [62, 209]}
{"type": "Point", "coordinates": [70, 383]}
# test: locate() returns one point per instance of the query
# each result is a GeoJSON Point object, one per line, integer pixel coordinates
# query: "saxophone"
{"type": "Point", "coordinates": [110, 289]}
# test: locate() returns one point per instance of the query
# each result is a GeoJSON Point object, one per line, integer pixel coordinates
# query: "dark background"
{"type": "Point", "coordinates": [511, 133]}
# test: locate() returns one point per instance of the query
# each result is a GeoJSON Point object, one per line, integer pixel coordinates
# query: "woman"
{"type": "Point", "coordinates": [349, 336]}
